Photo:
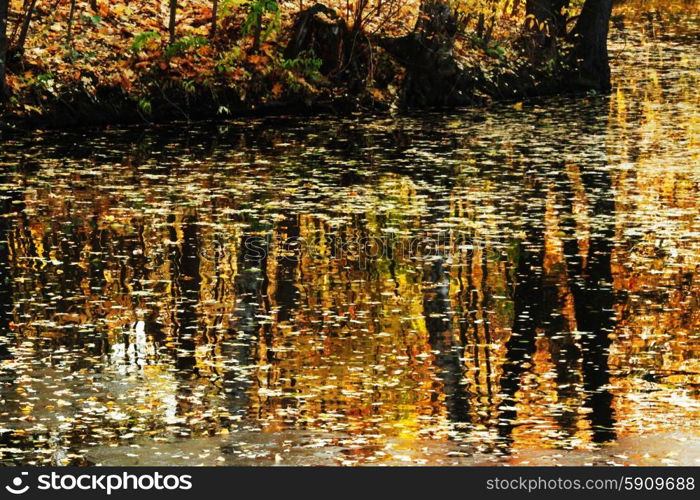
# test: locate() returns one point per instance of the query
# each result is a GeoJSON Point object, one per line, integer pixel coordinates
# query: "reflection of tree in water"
{"type": "Point", "coordinates": [348, 343]}
{"type": "Point", "coordinates": [527, 313]}
{"type": "Point", "coordinates": [457, 322]}
{"type": "Point", "coordinates": [591, 286]}
{"type": "Point", "coordinates": [449, 367]}
{"type": "Point", "coordinates": [540, 300]}
{"type": "Point", "coordinates": [7, 208]}
{"type": "Point", "coordinates": [187, 280]}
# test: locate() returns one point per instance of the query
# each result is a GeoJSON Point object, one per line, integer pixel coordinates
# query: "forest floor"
{"type": "Point", "coordinates": [115, 63]}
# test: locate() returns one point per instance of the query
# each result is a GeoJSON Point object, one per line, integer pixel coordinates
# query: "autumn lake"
{"type": "Point", "coordinates": [517, 284]}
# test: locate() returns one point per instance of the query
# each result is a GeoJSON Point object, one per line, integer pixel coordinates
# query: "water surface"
{"type": "Point", "coordinates": [484, 286]}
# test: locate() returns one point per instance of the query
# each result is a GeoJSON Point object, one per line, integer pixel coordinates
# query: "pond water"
{"type": "Point", "coordinates": [498, 286]}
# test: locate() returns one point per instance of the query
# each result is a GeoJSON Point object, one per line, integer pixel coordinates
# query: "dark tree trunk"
{"type": "Point", "coordinates": [4, 9]}
{"type": "Point", "coordinates": [257, 32]}
{"type": "Point", "coordinates": [171, 23]}
{"type": "Point", "coordinates": [590, 39]}
{"type": "Point", "coordinates": [437, 21]}
{"type": "Point", "coordinates": [549, 13]}
{"type": "Point", "coordinates": [344, 54]}
{"type": "Point", "coordinates": [434, 76]}
{"type": "Point", "coordinates": [325, 35]}
{"type": "Point", "coordinates": [69, 34]}
{"type": "Point", "coordinates": [214, 14]}
{"type": "Point", "coordinates": [25, 28]}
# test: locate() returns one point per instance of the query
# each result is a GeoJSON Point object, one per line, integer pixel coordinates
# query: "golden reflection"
{"type": "Point", "coordinates": [415, 294]}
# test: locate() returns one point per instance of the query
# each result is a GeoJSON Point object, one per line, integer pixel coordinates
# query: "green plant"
{"type": "Point", "coordinates": [96, 20]}
{"type": "Point", "coordinates": [185, 44]}
{"type": "Point", "coordinates": [44, 81]}
{"type": "Point", "coordinates": [188, 86]}
{"type": "Point", "coordinates": [253, 23]}
{"type": "Point", "coordinates": [306, 65]}
{"type": "Point", "coordinates": [141, 40]}
{"type": "Point", "coordinates": [228, 7]}
{"type": "Point", "coordinates": [230, 60]}
{"type": "Point", "coordinates": [497, 51]}
{"type": "Point", "coordinates": [145, 106]}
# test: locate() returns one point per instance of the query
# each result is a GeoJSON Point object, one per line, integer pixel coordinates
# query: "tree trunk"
{"type": "Point", "coordinates": [257, 32]}
{"type": "Point", "coordinates": [321, 30]}
{"type": "Point", "coordinates": [171, 23]}
{"type": "Point", "coordinates": [69, 34]}
{"type": "Point", "coordinates": [25, 28]}
{"type": "Point", "coordinates": [590, 39]}
{"type": "Point", "coordinates": [434, 77]}
{"type": "Point", "coordinates": [4, 9]}
{"type": "Point", "coordinates": [214, 14]}
{"type": "Point", "coordinates": [436, 20]}
{"type": "Point", "coordinates": [549, 14]}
